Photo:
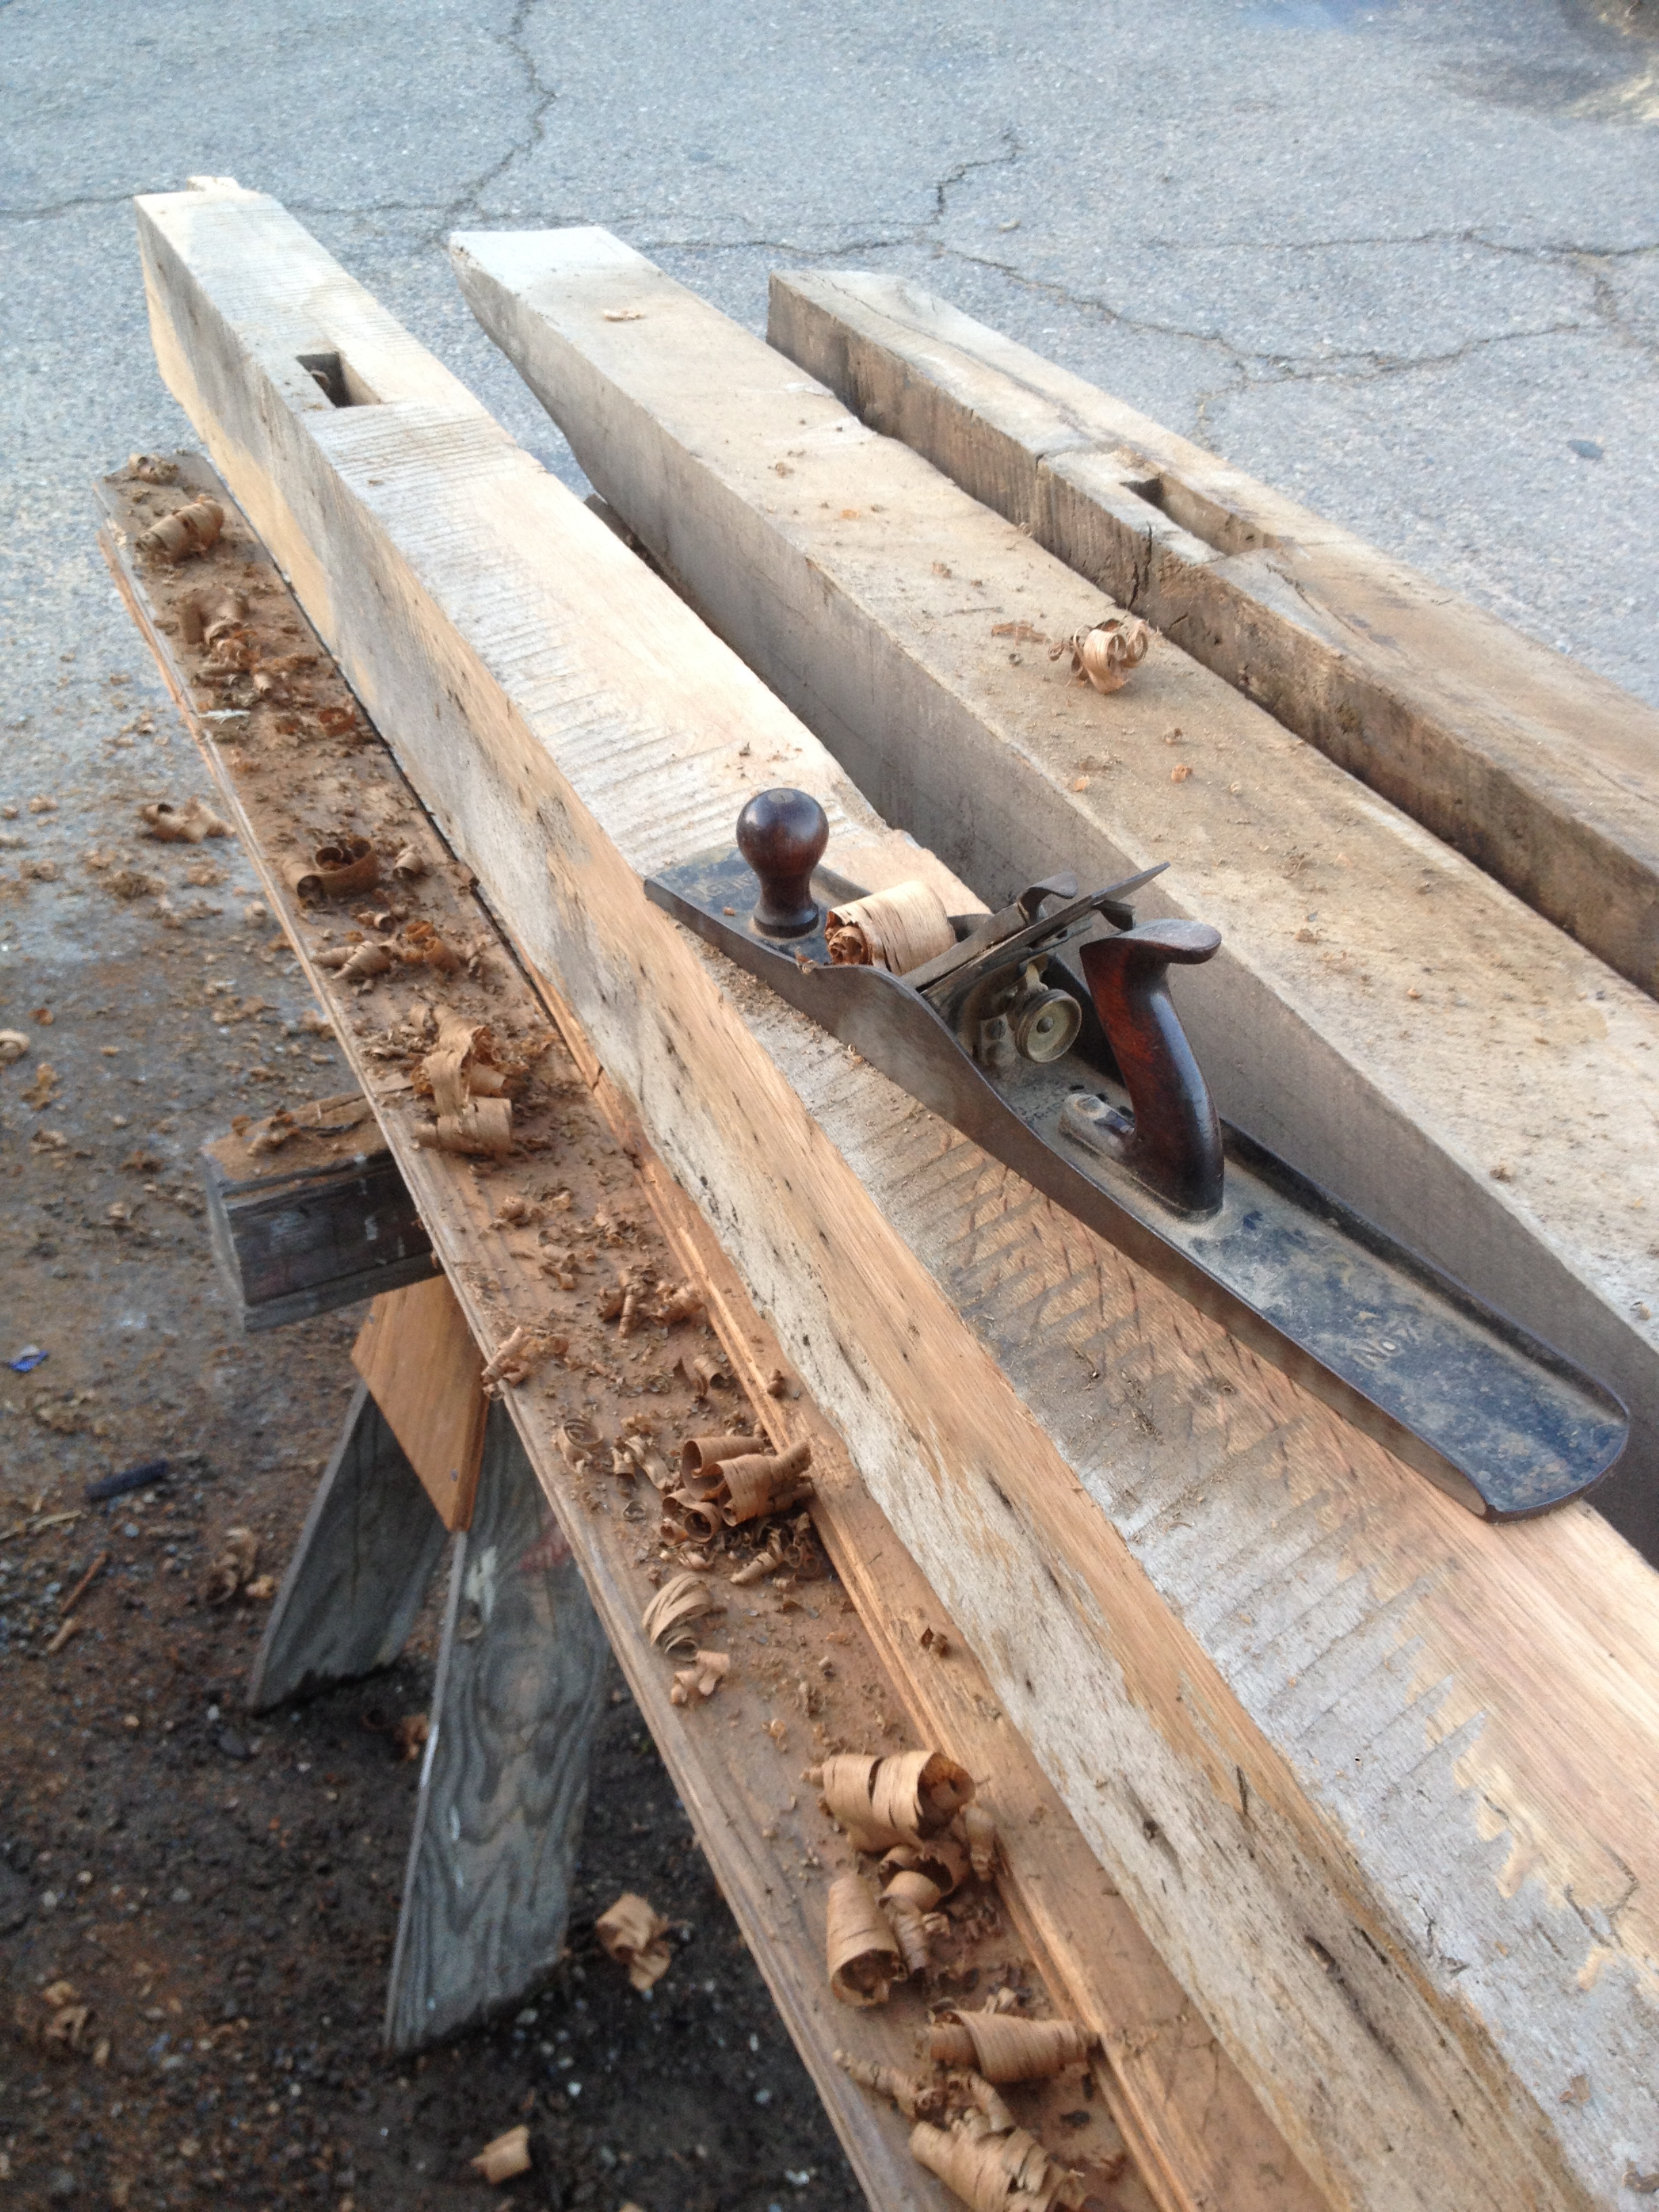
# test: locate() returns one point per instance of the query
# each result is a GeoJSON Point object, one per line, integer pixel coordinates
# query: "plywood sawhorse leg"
{"type": "Point", "coordinates": [521, 1682]}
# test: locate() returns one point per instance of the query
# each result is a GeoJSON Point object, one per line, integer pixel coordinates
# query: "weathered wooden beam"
{"type": "Point", "coordinates": [1380, 1013]}
{"type": "Point", "coordinates": [1171, 2095]}
{"type": "Point", "coordinates": [1378, 1779]}
{"type": "Point", "coordinates": [1542, 772]}
{"type": "Point", "coordinates": [322, 1219]}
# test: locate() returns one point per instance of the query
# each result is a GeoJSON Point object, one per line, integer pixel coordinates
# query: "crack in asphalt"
{"type": "Point", "coordinates": [1244, 367]}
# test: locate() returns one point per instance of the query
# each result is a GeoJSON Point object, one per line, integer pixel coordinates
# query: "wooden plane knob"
{"type": "Point", "coordinates": [1175, 1147]}
{"type": "Point", "coordinates": [782, 834]}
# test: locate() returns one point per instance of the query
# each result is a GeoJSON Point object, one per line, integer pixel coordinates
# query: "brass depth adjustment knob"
{"type": "Point", "coordinates": [782, 834]}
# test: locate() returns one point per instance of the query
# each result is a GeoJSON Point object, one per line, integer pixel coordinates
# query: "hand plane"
{"type": "Point", "coordinates": [1047, 1033]}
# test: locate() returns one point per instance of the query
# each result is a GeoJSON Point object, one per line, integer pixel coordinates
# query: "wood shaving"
{"type": "Point", "coordinates": [357, 963]}
{"type": "Point", "coordinates": [422, 947]}
{"type": "Point", "coordinates": [508, 2156]}
{"type": "Point", "coordinates": [707, 1670]}
{"type": "Point", "coordinates": [914, 2098]}
{"type": "Point", "coordinates": [943, 1861]}
{"type": "Point", "coordinates": [908, 1900]}
{"type": "Point", "coordinates": [233, 1568]}
{"type": "Point", "coordinates": [631, 1933]}
{"type": "Point", "coordinates": [13, 1045]}
{"type": "Point", "coordinates": [764, 1563]}
{"type": "Point", "coordinates": [1004, 2047]}
{"type": "Point", "coordinates": [897, 929]}
{"type": "Point", "coordinates": [341, 868]}
{"type": "Point", "coordinates": [682, 1598]}
{"type": "Point", "coordinates": [864, 1956]}
{"type": "Point", "coordinates": [701, 1454]}
{"type": "Point", "coordinates": [189, 529]}
{"type": "Point", "coordinates": [992, 2170]}
{"type": "Point", "coordinates": [979, 1834]}
{"type": "Point", "coordinates": [181, 825]}
{"type": "Point", "coordinates": [409, 865]}
{"type": "Point", "coordinates": [464, 1081]}
{"type": "Point", "coordinates": [704, 1373]}
{"type": "Point", "coordinates": [738, 1486]}
{"type": "Point", "coordinates": [516, 1359]}
{"type": "Point", "coordinates": [1109, 653]}
{"type": "Point", "coordinates": [905, 1798]}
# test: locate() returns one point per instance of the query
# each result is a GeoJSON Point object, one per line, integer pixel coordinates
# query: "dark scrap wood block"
{"type": "Point", "coordinates": [322, 1221]}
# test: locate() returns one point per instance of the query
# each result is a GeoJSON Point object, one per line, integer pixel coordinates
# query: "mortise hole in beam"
{"type": "Point", "coordinates": [1202, 518]}
{"type": "Point", "coordinates": [337, 380]}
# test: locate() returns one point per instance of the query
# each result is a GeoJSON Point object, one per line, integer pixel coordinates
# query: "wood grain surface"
{"type": "Point", "coordinates": [416, 1354]}
{"type": "Point", "coordinates": [370, 1546]}
{"type": "Point", "coordinates": [522, 1676]}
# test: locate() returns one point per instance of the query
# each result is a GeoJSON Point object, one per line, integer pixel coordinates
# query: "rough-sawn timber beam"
{"type": "Point", "coordinates": [1378, 1779]}
{"type": "Point", "coordinates": [1381, 1013]}
{"type": "Point", "coordinates": [1196, 2132]}
{"type": "Point", "coordinates": [1542, 772]}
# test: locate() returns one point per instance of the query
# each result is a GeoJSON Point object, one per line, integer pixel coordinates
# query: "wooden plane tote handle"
{"type": "Point", "coordinates": [1173, 1143]}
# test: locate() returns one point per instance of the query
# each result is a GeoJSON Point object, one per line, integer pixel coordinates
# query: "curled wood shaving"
{"type": "Point", "coordinates": [863, 1953]}
{"type": "Point", "coordinates": [700, 1455]}
{"type": "Point", "coordinates": [914, 2098]}
{"type": "Point", "coordinates": [907, 1900]}
{"type": "Point", "coordinates": [464, 1082]}
{"type": "Point", "coordinates": [905, 1798]}
{"type": "Point", "coordinates": [577, 1439]}
{"type": "Point", "coordinates": [707, 1670]}
{"type": "Point", "coordinates": [13, 1045]}
{"type": "Point", "coordinates": [764, 1563]}
{"type": "Point", "coordinates": [233, 1568]}
{"type": "Point", "coordinates": [985, 2098]}
{"type": "Point", "coordinates": [341, 868]}
{"type": "Point", "coordinates": [207, 618]}
{"type": "Point", "coordinates": [682, 1598]}
{"type": "Point", "coordinates": [681, 1304]}
{"type": "Point", "coordinates": [516, 1210]}
{"type": "Point", "coordinates": [631, 1933]}
{"type": "Point", "coordinates": [181, 825]}
{"type": "Point", "coordinates": [409, 865]}
{"type": "Point", "coordinates": [516, 1359]}
{"type": "Point", "coordinates": [150, 468]}
{"type": "Point", "coordinates": [704, 1373]}
{"type": "Point", "coordinates": [1109, 653]}
{"type": "Point", "coordinates": [1003, 2047]}
{"type": "Point", "coordinates": [897, 929]}
{"type": "Point", "coordinates": [995, 2172]}
{"type": "Point", "coordinates": [422, 947]}
{"type": "Point", "coordinates": [508, 2156]}
{"type": "Point", "coordinates": [758, 1483]}
{"type": "Point", "coordinates": [944, 1862]}
{"type": "Point", "coordinates": [979, 1832]}
{"type": "Point", "coordinates": [354, 963]}
{"type": "Point", "coordinates": [190, 529]}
